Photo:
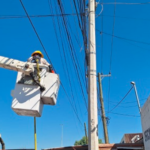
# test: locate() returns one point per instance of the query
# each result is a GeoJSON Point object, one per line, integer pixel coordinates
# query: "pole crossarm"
{"type": "Point", "coordinates": [106, 75]}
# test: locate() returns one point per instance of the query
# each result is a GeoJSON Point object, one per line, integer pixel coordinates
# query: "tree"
{"type": "Point", "coordinates": [100, 141]}
{"type": "Point", "coordinates": [83, 141]}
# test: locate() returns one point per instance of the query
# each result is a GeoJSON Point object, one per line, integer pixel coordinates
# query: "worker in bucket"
{"type": "Point", "coordinates": [38, 55]}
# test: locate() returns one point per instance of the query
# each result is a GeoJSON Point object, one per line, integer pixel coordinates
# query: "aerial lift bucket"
{"type": "Point", "coordinates": [28, 98]}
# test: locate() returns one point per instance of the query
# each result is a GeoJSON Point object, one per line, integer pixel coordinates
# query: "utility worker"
{"type": "Point", "coordinates": [38, 55]}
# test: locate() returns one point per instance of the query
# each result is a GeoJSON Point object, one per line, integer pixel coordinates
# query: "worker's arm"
{"type": "Point", "coordinates": [46, 63]}
{"type": "Point", "coordinates": [51, 69]}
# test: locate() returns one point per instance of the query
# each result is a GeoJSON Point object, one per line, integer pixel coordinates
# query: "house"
{"type": "Point", "coordinates": [131, 138]}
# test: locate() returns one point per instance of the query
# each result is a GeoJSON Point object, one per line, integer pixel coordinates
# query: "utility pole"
{"type": "Point", "coordinates": [136, 94]}
{"type": "Point", "coordinates": [85, 133]}
{"type": "Point", "coordinates": [35, 139]}
{"type": "Point", "coordinates": [102, 106]}
{"type": "Point", "coordinates": [92, 84]}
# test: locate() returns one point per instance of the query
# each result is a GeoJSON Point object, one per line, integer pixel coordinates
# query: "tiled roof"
{"type": "Point", "coordinates": [101, 147]}
{"type": "Point", "coordinates": [128, 137]}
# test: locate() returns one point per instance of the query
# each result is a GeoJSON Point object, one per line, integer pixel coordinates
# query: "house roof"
{"type": "Point", "coordinates": [129, 137]}
{"type": "Point", "coordinates": [101, 147]}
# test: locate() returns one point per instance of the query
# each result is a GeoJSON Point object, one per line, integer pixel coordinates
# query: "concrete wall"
{"type": "Point", "coordinates": [145, 117]}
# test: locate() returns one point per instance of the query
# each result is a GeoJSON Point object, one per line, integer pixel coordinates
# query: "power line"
{"type": "Point", "coordinates": [71, 104]}
{"type": "Point", "coordinates": [127, 115]}
{"type": "Point", "coordinates": [49, 59]}
{"type": "Point", "coordinates": [51, 15]}
{"type": "Point", "coordinates": [65, 57]}
{"type": "Point", "coordinates": [128, 106]}
{"type": "Point", "coordinates": [127, 17]}
{"type": "Point", "coordinates": [60, 15]}
{"type": "Point", "coordinates": [72, 49]}
{"type": "Point", "coordinates": [75, 23]}
{"type": "Point", "coordinates": [81, 18]}
{"type": "Point", "coordinates": [36, 32]}
{"type": "Point", "coordinates": [51, 10]}
{"type": "Point", "coordinates": [143, 99]}
{"type": "Point", "coordinates": [62, 37]}
{"type": "Point", "coordinates": [39, 16]}
{"type": "Point", "coordinates": [112, 38]}
{"type": "Point", "coordinates": [120, 114]}
{"type": "Point", "coordinates": [77, 14]}
{"type": "Point", "coordinates": [124, 3]}
{"type": "Point", "coordinates": [111, 54]}
{"type": "Point", "coordinates": [121, 100]}
{"type": "Point", "coordinates": [125, 38]}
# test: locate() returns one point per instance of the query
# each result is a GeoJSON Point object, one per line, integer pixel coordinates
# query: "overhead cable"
{"type": "Point", "coordinates": [77, 13]}
{"type": "Point", "coordinates": [71, 104]}
{"type": "Point", "coordinates": [72, 50]}
{"type": "Point", "coordinates": [36, 33]}
{"type": "Point", "coordinates": [127, 17]}
{"type": "Point", "coordinates": [112, 38]}
{"type": "Point", "coordinates": [102, 43]}
{"type": "Point", "coordinates": [111, 54]}
{"type": "Point", "coordinates": [125, 38]}
{"type": "Point", "coordinates": [143, 99]}
{"type": "Point", "coordinates": [38, 16]}
{"type": "Point", "coordinates": [65, 68]}
{"type": "Point", "coordinates": [121, 100]}
{"type": "Point", "coordinates": [124, 3]}
{"type": "Point", "coordinates": [100, 11]}
{"type": "Point", "coordinates": [49, 58]}
{"type": "Point", "coordinates": [127, 115]}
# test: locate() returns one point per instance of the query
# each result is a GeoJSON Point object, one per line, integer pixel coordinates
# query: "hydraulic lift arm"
{"type": "Point", "coordinates": [16, 65]}
{"type": "Point", "coordinates": [25, 67]}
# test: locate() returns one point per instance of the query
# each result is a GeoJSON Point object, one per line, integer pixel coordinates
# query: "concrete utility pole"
{"type": "Point", "coordinates": [136, 94]}
{"type": "Point", "coordinates": [92, 87]}
{"type": "Point", "coordinates": [102, 107]}
{"type": "Point", "coordinates": [85, 133]}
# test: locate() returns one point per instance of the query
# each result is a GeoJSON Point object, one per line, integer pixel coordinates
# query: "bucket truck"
{"type": "Point", "coordinates": [35, 86]}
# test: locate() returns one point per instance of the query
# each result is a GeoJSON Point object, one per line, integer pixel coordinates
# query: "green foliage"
{"type": "Point", "coordinates": [100, 141]}
{"type": "Point", "coordinates": [83, 141]}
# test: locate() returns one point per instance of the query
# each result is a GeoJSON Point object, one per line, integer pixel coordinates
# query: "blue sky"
{"type": "Point", "coordinates": [130, 62]}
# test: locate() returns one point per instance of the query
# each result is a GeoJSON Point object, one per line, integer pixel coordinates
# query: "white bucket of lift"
{"type": "Point", "coordinates": [51, 83]}
{"type": "Point", "coordinates": [28, 100]}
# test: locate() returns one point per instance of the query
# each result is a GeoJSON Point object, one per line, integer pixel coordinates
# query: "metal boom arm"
{"type": "Point", "coordinates": [16, 65]}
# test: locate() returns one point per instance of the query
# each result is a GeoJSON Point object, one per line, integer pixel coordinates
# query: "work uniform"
{"type": "Point", "coordinates": [37, 55]}
{"type": "Point", "coordinates": [42, 61]}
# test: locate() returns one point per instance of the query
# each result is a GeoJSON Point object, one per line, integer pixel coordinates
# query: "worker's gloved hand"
{"type": "Point", "coordinates": [51, 69]}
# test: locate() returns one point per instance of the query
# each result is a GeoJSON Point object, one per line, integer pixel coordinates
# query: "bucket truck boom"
{"type": "Point", "coordinates": [16, 65]}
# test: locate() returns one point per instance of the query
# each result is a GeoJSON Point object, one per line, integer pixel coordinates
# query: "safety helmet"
{"type": "Point", "coordinates": [38, 52]}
